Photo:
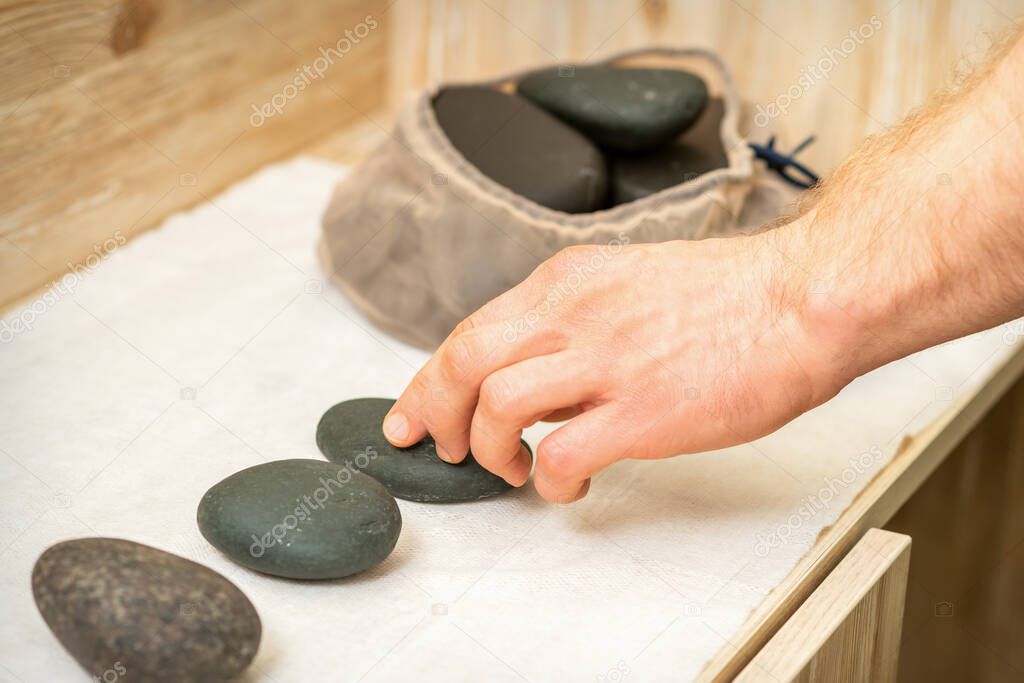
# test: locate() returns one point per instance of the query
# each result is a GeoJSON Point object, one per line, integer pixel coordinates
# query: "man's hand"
{"type": "Point", "coordinates": [651, 350]}
{"type": "Point", "coordinates": [656, 350]}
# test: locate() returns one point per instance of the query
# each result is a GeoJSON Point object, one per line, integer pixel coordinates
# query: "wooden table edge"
{"type": "Point", "coordinates": [917, 457]}
{"type": "Point", "coordinates": [849, 628]}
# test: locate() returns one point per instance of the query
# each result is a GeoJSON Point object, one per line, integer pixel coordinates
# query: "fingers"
{"type": "Point", "coordinates": [443, 395]}
{"type": "Point", "coordinates": [442, 398]}
{"type": "Point", "coordinates": [569, 456]}
{"type": "Point", "coordinates": [516, 397]}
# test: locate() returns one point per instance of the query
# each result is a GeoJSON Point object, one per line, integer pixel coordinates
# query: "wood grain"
{"type": "Point", "coordinates": [354, 143]}
{"type": "Point", "coordinates": [965, 597]}
{"type": "Point", "coordinates": [919, 456]}
{"type": "Point", "coordinates": [124, 140]}
{"type": "Point", "coordinates": [911, 48]}
{"type": "Point", "coordinates": [849, 628]}
{"type": "Point", "coordinates": [44, 42]}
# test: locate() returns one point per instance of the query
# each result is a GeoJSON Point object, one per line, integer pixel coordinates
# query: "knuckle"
{"type": "Point", "coordinates": [565, 258]}
{"type": "Point", "coordinates": [498, 394]}
{"type": "Point", "coordinates": [460, 358]}
{"type": "Point", "coordinates": [467, 324]}
{"type": "Point", "coordinates": [575, 251]}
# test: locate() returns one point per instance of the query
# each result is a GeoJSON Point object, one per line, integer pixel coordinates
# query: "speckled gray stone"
{"type": "Point", "coordinates": [350, 432]}
{"type": "Point", "coordinates": [142, 613]}
{"type": "Point", "coordinates": [301, 519]}
{"type": "Point", "coordinates": [627, 110]}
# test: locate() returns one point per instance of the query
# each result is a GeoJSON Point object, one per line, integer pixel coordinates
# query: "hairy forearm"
{"type": "Point", "coordinates": [919, 237]}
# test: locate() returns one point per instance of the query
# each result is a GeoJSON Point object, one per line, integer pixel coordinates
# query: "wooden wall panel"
{"type": "Point", "coordinates": [43, 43]}
{"type": "Point", "coordinates": [128, 123]}
{"type": "Point", "coordinates": [111, 109]}
{"type": "Point", "coordinates": [912, 47]}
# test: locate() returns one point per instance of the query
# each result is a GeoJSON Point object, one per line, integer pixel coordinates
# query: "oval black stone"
{"type": "Point", "coordinates": [698, 151]}
{"type": "Point", "coordinates": [350, 433]}
{"type": "Point", "coordinates": [628, 110]}
{"type": "Point", "coordinates": [301, 519]}
{"type": "Point", "coordinates": [144, 614]}
{"type": "Point", "coordinates": [519, 145]}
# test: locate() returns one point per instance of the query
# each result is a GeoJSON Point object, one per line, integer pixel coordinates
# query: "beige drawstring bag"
{"type": "Point", "coordinates": [419, 238]}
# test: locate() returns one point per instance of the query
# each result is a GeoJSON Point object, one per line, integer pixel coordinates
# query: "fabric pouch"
{"type": "Point", "coordinates": [419, 238]}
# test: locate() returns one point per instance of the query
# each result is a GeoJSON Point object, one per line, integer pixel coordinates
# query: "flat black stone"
{"type": "Point", "coordinates": [301, 519]}
{"type": "Point", "coordinates": [522, 147]}
{"type": "Point", "coordinates": [144, 614]}
{"type": "Point", "coordinates": [627, 110]}
{"type": "Point", "coordinates": [350, 432]}
{"type": "Point", "coordinates": [698, 151]}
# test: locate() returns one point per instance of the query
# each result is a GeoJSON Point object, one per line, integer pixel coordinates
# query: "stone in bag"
{"type": "Point", "coordinates": [630, 110]}
{"type": "Point", "coordinates": [523, 147]}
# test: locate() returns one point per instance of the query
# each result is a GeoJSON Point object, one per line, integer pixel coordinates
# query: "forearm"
{"type": "Point", "coordinates": [919, 237]}
{"type": "Point", "coordinates": [690, 346]}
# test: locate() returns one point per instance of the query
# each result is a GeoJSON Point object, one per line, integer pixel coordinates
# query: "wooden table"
{"type": "Point", "coordinates": [904, 497]}
{"type": "Point", "coordinates": [121, 113]}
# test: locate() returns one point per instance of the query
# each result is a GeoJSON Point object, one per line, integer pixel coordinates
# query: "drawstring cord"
{"type": "Point", "coordinates": [781, 163]}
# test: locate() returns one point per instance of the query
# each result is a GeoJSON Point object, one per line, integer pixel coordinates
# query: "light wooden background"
{"type": "Point", "coordinates": [116, 113]}
{"type": "Point", "coordinates": [915, 48]}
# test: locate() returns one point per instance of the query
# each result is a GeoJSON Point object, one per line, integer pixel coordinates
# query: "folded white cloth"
{"type": "Point", "coordinates": [214, 343]}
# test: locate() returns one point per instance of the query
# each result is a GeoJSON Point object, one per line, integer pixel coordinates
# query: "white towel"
{"type": "Point", "coordinates": [213, 344]}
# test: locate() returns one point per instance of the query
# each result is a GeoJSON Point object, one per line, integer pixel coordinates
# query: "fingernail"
{"type": "Point", "coordinates": [396, 427]}
{"type": "Point", "coordinates": [442, 453]}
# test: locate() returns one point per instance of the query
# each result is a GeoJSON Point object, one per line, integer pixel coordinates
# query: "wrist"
{"type": "Point", "coordinates": [819, 308]}
{"type": "Point", "coordinates": [886, 262]}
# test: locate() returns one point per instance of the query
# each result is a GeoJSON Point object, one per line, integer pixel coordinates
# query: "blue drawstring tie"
{"type": "Point", "coordinates": [780, 163]}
